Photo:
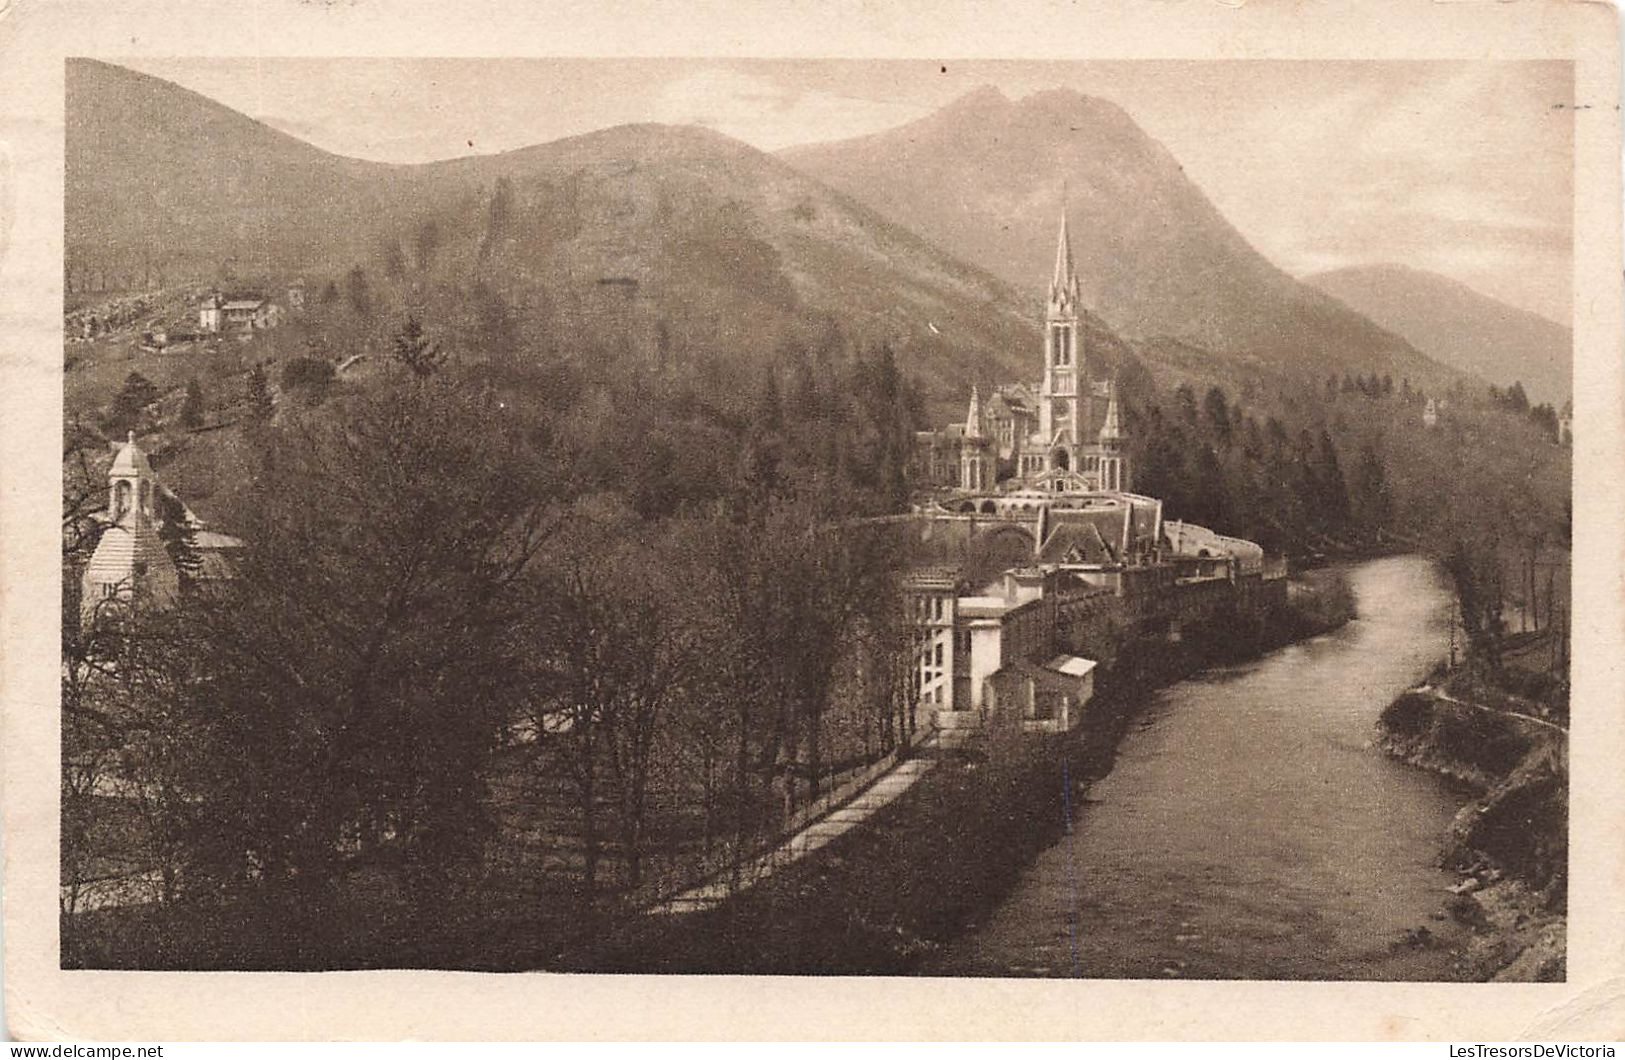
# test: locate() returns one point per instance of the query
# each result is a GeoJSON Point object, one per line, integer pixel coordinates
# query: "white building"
{"type": "Point", "coordinates": [218, 314]}
{"type": "Point", "coordinates": [130, 563]}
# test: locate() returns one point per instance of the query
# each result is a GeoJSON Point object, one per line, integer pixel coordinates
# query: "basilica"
{"type": "Point", "coordinates": [1034, 561]}
{"type": "Point", "coordinates": [1062, 434]}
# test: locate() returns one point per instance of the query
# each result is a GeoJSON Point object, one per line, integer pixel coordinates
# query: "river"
{"type": "Point", "coordinates": [1249, 827]}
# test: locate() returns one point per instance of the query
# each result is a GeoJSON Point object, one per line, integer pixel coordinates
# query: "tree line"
{"type": "Point", "coordinates": [1295, 468]}
{"type": "Point", "coordinates": [1214, 462]}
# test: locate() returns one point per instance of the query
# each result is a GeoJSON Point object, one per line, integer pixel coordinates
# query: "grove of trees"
{"type": "Point", "coordinates": [1349, 468]}
{"type": "Point", "coordinates": [487, 653]}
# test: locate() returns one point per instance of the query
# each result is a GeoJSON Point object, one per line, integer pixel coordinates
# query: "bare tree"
{"type": "Point", "coordinates": [339, 700]}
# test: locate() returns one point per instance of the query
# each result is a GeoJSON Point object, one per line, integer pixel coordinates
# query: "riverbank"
{"type": "Point", "coordinates": [1510, 841]}
{"type": "Point", "coordinates": [887, 898]}
{"type": "Point", "coordinates": [1318, 601]}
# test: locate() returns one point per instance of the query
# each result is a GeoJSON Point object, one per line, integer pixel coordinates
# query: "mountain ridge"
{"type": "Point", "coordinates": [728, 246]}
{"type": "Point", "coordinates": [986, 178]}
{"type": "Point", "coordinates": [733, 240]}
{"type": "Point", "coordinates": [1459, 326]}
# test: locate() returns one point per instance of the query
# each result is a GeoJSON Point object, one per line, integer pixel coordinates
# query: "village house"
{"type": "Point", "coordinates": [244, 313]}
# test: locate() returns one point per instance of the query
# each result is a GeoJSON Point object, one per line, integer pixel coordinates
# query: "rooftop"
{"type": "Point", "coordinates": [983, 606]}
{"type": "Point", "coordinates": [1071, 665]}
{"type": "Point", "coordinates": [936, 574]}
{"type": "Point", "coordinates": [130, 460]}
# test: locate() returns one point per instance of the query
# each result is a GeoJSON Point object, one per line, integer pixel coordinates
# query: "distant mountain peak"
{"type": "Point", "coordinates": [1049, 105]}
{"type": "Point", "coordinates": [982, 97]}
{"type": "Point", "coordinates": [1063, 100]}
{"type": "Point", "coordinates": [984, 178]}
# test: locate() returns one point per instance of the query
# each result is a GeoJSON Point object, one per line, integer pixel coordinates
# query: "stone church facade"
{"type": "Point", "coordinates": [1062, 434]}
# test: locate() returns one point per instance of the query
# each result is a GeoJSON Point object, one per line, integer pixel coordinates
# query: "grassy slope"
{"type": "Point", "coordinates": [986, 178]}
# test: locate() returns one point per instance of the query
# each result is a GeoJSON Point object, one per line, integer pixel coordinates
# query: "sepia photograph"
{"type": "Point", "coordinates": [817, 518]}
{"type": "Point", "coordinates": [956, 520]}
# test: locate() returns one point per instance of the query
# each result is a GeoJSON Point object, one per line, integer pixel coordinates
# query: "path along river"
{"type": "Point", "coordinates": [1249, 827]}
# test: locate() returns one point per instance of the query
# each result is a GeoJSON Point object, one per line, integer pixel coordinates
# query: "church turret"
{"type": "Point", "coordinates": [1113, 462]}
{"type": "Point", "coordinates": [976, 470]}
{"type": "Point", "coordinates": [1111, 428]}
{"type": "Point", "coordinates": [130, 485]}
{"type": "Point", "coordinates": [130, 561]}
{"type": "Point", "coordinates": [1063, 286]}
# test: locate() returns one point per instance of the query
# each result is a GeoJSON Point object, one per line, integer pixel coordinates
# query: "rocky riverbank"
{"type": "Point", "coordinates": [1510, 841]}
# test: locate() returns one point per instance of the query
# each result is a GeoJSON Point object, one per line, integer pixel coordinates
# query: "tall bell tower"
{"type": "Point", "coordinates": [1059, 422]}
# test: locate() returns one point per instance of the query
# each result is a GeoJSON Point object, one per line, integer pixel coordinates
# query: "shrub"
{"type": "Point", "coordinates": [308, 377]}
{"type": "Point", "coordinates": [1408, 715]}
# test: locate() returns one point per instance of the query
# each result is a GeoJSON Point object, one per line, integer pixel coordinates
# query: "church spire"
{"type": "Point", "coordinates": [1063, 288]}
{"type": "Point", "coordinates": [973, 420]}
{"type": "Point", "coordinates": [1111, 431]}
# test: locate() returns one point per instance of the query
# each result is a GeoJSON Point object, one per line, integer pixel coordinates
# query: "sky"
{"type": "Point", "coordinates": [1463, 168]}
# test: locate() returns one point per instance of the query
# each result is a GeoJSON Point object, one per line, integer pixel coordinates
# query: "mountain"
{"type": "Point", "coordinates": [698, 239]}
{"type": "Point", "coordinates": [986, 178]}
{"type": "Point", "coordinates": [156, 174]}
{"type": "Point", "coordinates": [1454, 324]}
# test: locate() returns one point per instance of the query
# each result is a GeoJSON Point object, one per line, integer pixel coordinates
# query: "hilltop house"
{"type": "Point", "coordinates": [242, 314]}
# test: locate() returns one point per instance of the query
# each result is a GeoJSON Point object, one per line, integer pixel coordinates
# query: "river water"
{"type": "Point", "coordinates": [1249, 828]}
